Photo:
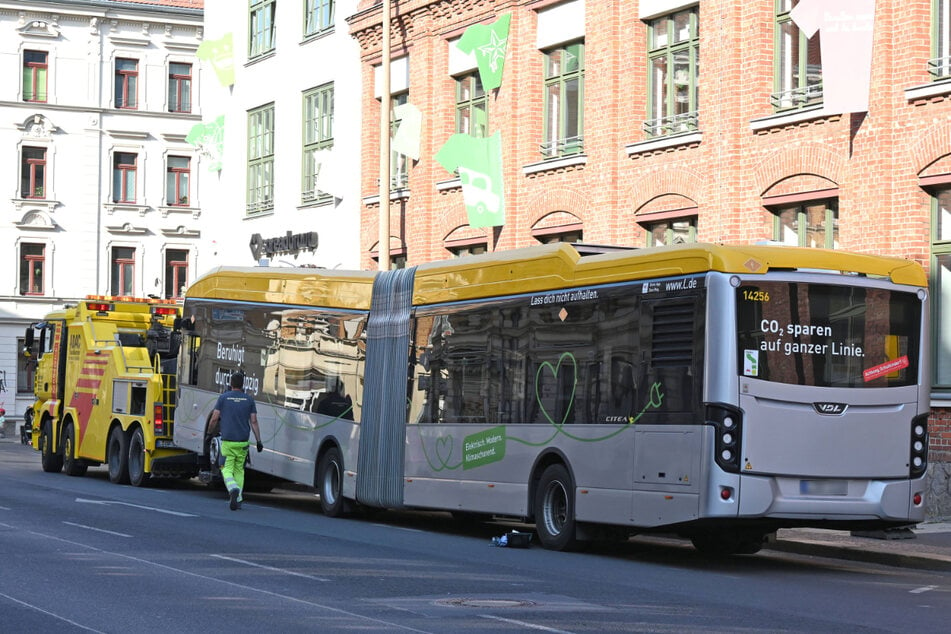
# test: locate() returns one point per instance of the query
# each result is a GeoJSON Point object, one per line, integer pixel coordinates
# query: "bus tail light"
{"type": "Point", "coordinates": [918, 461]}
{"type": "Point", "coordinates": [158, 419]}
{"type": "Point", "coordinates": [728, 423]}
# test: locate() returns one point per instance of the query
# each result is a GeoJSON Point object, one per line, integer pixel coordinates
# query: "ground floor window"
{"type": "Point", "coordinates": [807, 224]}
{"type": "Point", "coordinates": [941, 284]}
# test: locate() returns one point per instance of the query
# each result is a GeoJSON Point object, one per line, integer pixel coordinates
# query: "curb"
{"type": "Point", "coordinates": [833, 551]}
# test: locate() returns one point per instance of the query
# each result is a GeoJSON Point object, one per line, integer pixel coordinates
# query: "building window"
{"type": "Point", "coordinates": [318, 16]}
{"type": "Point", "coordinates": [123, 271]}
{"type": "Point", "coordinates": [671, 231]}
{"type": "Point", "coordinates": [572, 236]}
{"type": "Point", "coordinates": [261, 36]}
{"type": "Point", "coordinates": [261, 160]}
{"type": "Point", "coordinates": [32, 268]}
{"type": "Point", "coordinates": [318, 135]}
{"type": "Point", "coordinates": [399, 163]}
{"type": "Point", "coordinates": [127, 80]}
{"type": "Point", "coordinates": [176, 273]}
{"type": "Point", "coordinates": [26, 368]}
{"type": "Point", "coordinates": [35, 69]}
{"type": "Point", "coordinates": [123, 177]}
{"type": "Point", "coordinates": [798, 76]}
{"type": "Point", "coordinates": [940, 65]}
{"type": "Point", "coordinates": [471, 106]}
{"type": "Point", "coordinates": [941, 285]}
{"type": "Point", "coordinates": [176, 181]}
{"type": "Point", "coordinates": [179, 87]}
{"type": "Point", "coordinates": [564, 100]}
{"type": "Point", "coordinates": [465, 250]}
{"type": "Point", "coordinates": [33, 172]}
{"type": "Point", "coordinates": [397, 260]}
{"type": "Point", "coordinates": [674, 65]}
{"type": "Point", "coordinates": [812, 224]}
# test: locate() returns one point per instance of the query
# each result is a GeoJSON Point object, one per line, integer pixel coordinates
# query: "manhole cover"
{"type": "Point", "coordinates": [486, 603]}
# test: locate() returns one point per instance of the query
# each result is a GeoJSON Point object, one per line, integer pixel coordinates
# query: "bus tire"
{"type": "Point", "coordinates": [51, 461]}
{"type": "Point", "coordinates": [72, 465]}
{"type": "Point", "coordinates": [136, 461]}
{"type": "Point", "coordinates": [117, 455]}
{"type": "Point", "coordinates": [330, 483]}
{"type": "Point", "coordinates": [555, 509]}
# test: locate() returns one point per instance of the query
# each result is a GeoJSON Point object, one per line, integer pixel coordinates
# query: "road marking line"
{"type": "Point", "coordinates": [48, 613]}
{"type": "Point", "coordinates": [923, 589]}
{"type": "Point", "coordinates": [100, 530]}
{"type": "Point", "coordinates": [271, 568]}
{"type": "Point", "coordinates": [137, 506]}
{"type": "Point", "coordinates": [533, 626]}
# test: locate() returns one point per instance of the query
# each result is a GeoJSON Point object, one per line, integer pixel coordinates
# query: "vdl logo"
{"type": "Point", "coordinates": [831, 409]}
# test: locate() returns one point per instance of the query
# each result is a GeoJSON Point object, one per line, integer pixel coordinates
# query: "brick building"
{"type": "Point", "coordinates": [652, 121]}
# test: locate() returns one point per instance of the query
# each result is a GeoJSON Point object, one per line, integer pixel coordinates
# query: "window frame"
{"type": "Point", "coordinates": [124, 175]}
{"type": "Point", "coordinates": [670, 232]}
{"type": "Point", "coordinates": [940, 249]}
{"type": "Point", "coordinates": [26, 261]}
{"type": "Point", "coordinates": [830, 224]}
{"type": "Point", "coordinates": [787, 96]}
{"type": "Point", "coordinates": [319, 16]}
{"type": "Point", "coordinates": [126, 84]}
{"type": "Point", "coordinates": [662, 119]}
{"type": "Point", "coordinates": [261, 27]}
{"type": "Point", "coordinates": [174, 175]}
{"type": "Point", "coordinates": [29, 167]}
{"type": "Point", "coordinates": [36, 70]}
{"type": "Point", "coordinates": [178, 85]}
{"type": "Point", "coordinates": [556, 140]}
{"type": "Point", "coordinates": [122, 271]}
{"type": "Point", "coordinates": [399, 163]}
{"type": "Point", "coordinates": [318, 134]}
{"type": "Point", "coordinates": [176, 272]}
{"type": "Point", "coordinates": [260, 185]}
{"type": "Point", "coordinates": [471, 98]}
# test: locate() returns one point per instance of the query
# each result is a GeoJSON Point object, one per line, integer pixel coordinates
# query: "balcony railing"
{"type": "Point", "coordinates": [562, 147]}
{"type": "Point", "coordinates": [940, 67]}
{"type": "Point", "coordinates": [675, 124]}
{"type": "Point", "coordinates": [797, 97]}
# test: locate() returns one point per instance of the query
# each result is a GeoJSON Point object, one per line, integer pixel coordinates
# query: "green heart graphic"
{"type": "Point", "coordinates": [444, 449]}
{"type": "Point", "coordinates": [555, 369]}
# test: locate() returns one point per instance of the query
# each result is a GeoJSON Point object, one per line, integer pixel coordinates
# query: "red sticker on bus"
{"type": "Point", "coordinates": [889, 366]}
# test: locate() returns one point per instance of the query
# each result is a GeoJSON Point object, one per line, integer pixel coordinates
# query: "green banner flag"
{"type": "Point", "coordinates": [479, 164]}
{"type": "Point", "coordinates": [488, 42]}
{"type": "Point", "coordinates": [220, 53]}
{"type": "Point", "coordinates": [209, 138]}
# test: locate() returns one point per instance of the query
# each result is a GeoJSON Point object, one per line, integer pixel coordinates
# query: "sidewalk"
{"type": "Point", "coordinates": [926, 546]}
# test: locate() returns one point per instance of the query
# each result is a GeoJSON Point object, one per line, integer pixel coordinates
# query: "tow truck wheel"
{"type": "Point", "coordinates": [73, 465]}
{"type": "Point", "coordinates": [137, 474]}
{"type": "Point", "coordinates": [52, 462]}
{"type": "Point", "coordinates": [117, 454]}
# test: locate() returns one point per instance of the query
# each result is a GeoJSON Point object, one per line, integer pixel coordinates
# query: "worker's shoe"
{"type": "Point", "coordinates": [234, 504]}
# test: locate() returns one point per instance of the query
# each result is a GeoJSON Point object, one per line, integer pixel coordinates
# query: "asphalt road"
{"type": "Point", "coordinates": [84, 555]}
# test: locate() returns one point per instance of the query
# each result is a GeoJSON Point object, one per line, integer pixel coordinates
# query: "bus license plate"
{"type": "Point", "coordinates": [823, 487]}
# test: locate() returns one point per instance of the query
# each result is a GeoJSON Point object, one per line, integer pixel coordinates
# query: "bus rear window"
{"type": "Point", "coordinates": [826, 335]}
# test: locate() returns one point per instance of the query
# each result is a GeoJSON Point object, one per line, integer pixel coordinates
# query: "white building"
{"type": "Point", "coordinates": [102, 190]}
{"type": "Point", "coordinates": [290, 165]}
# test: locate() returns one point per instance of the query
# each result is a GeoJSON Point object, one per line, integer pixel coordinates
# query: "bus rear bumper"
{"type": "Point", "coordinates": [832, 499]}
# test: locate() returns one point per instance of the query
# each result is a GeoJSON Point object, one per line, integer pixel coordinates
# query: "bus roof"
{"type": "Point", "coordinates": [536, 269]}
{"type": "Point", "coordinates": [553, 266]}
{"type": "Point", "coordinates": [297, 286]}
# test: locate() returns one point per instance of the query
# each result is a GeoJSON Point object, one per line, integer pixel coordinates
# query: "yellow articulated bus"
{"type": "Point", "coordinates": [717, 392]}
{"type": "Point", "coordinates": [105, 389]}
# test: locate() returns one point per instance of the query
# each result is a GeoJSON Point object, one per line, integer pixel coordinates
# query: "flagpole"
{"type": "Point", "coordinates": [384, 242]}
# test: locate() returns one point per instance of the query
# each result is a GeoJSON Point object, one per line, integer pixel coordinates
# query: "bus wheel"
{"type": "Point", "coordinates": [73, 465]}
{"type": "Point", "coordinates": [555, 509]}
{"type": "Point", "coordinates": [136, 462]}
{"type": "Point", "coordinates": [52, 462]}
{"type": "Point", "coordinates": [117, 454]}
{"type": "Point", "coordinates": [330, 483]}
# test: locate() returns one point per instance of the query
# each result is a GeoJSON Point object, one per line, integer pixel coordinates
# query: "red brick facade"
{"type": "Point", "coordinates": [872, 162]}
